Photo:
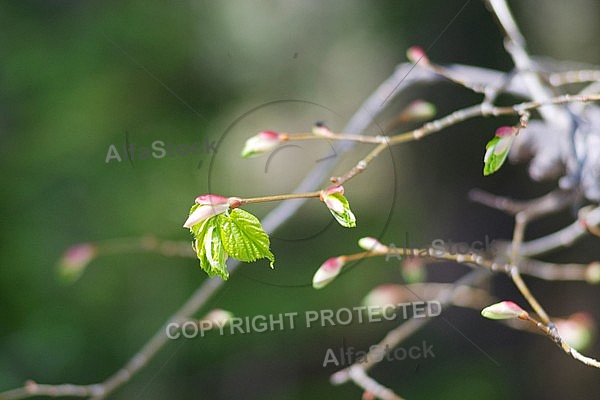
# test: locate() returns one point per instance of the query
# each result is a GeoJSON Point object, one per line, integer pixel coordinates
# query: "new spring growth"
{"type": "Point", "coordinates": [262, 143]}
{"type": "Point", "coordinates": [337, 204]}
{"type": "Point", "coordinates": [577, 330]}
{"type": "Point", "coordinates": [497, 149]}
{"type": "Point", "coordinates": [387, 294]}
{"type": "Point", "coordinates": [505, 310]}
{"type": "Point", "coordinates": [209, 205]}
{"type": "Point", "coordinates": [418, 110]}
{"type": "Point", "coordinates": [416, 54]}
{"type": "Point", "coordinates": [328, 271]}
{"type": "Point", "coordinates": [75, 259]}
{"type": "Point", "coordinates": [373, 245]}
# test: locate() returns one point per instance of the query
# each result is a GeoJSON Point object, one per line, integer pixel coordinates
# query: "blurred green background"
{"type": "Point", "coordinates": [75, 77]}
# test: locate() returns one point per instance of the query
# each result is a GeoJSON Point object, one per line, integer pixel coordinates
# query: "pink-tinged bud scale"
{"type": "Point", "coordinates": [327, 272]}
{"type": "Point", "coordinates": [504, 310]}
{"type": "Point", "coordinates": [211, 199]}
{"type": "Point", "coordinates": [75, 259]}
{"type": "Point", "coordinates": [578, 330]}
{"type": "Point", "coordinates": [334, 199]}
{"type": "Point", "coordinates": [416, 54]}
{"type": "Point", "coordinates": [386, 294]}
{"type": "Point", "coordinates": [418, 110]}
{"type": "Point", "coordinates": [261, 143]}
{"type": "Point", "coordinates": [505, 131]}
{"type": "Point", "coordinates": [208, 205]}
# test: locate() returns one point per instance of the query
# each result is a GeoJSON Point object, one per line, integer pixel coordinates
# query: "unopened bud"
{"type": "Point", "coordinates": [75, 259]}
{"type": "Point", "coordinates": [505, 131]}
{"type": "Point", "coordinates": [371, 244]}
{"type": "Point", "coordinates": [504, 310]}
{"type": "Point", "coordinates": [418, 110]}
{"type": "Point", "coordinates": [577, 330]}
{"type": "Point", "coordinates": [207, 206]}
{"type": "Point", "coordinates": [416, 54]}
{"type": "Point", "coordinates": [261, 143]}
{"type": "Point", "coordinates": [386, 294]}
{"type": "Point", "coordinates": [327, 272]}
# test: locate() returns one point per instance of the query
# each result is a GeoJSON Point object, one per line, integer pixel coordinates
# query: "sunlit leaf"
{"type": "Point", "coordinates": [243, 237]}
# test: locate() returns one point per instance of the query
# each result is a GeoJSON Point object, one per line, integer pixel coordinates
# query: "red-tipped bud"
{"type": "Point", "coordinates": [262, 143]}
{"type": "Point", "coordinates": [327, 272]}
{"type": "Point", "coordinates": [210, 199]}
{"type": "Point", "coordinates": [505, 131]}
{"type": "Point", "coordinates": [496, 150]}
{"type": "Point", "coordinates": [386, 294]}
{"type": "Point", "coordinates": [416, 54]}
{"type": "Point", "coordinates": [418, 110]}
{"type": "Point", "coordinates": [75, 259]}
{"type": "Point", "coordinates": [504, 310]}
{"type": "Point", "coordinates": [334, 199]}
{"type": "Point", "coordinates": [331, 200]}
{"type": "Point", "coordinates": [368, 395]}
{"type": "Point", "coordinates": [577, 330]}
{"type": "Point", "coordinates": [208, 206]}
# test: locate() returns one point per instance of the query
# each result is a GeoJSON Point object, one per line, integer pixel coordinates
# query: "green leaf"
{"type": "Point", "coordinates": [243, 237]}
{"type": "Point", "coordinates": [496, 153]}
{"type": "Point", "coordinates": [340, 209]}
{"type": "Point", "coordinates": [209, 248]}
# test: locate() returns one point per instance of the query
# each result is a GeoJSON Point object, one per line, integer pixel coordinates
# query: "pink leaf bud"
{"type": "Point", "coordinates": [386, 294]}
{"type": "Point", "coordinates": [327, 272]}
{"type": "Point", "coordinates": [418, 110]}
{"type": "Point", "coordinates": [577, 330]}
{"type": "Point", "coordinates": [504, 310]}
{"type": "Point", "coordinates": [416, 54]}
{"type": "Point", "coordinates": [334, 199]}
{"type": "Point", "coordinates": [505, 131]}
{"type": "Point", "coordinates": [261, 143]}
{"type": "Point", "coordinates": [75, 259]}
{"type": "Point", "coordinates": [208, 206]}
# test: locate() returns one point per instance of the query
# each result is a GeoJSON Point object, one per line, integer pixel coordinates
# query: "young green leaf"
{"type": "Point", "coordinates": [209, 248]}
{"type": "Point", "coordinates": [497, 149]}
{"type": "Point", "coordinates": [243, 237]}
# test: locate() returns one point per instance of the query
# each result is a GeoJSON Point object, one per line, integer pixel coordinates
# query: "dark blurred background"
{"type": "Point", "coordinates": [76, 76]}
